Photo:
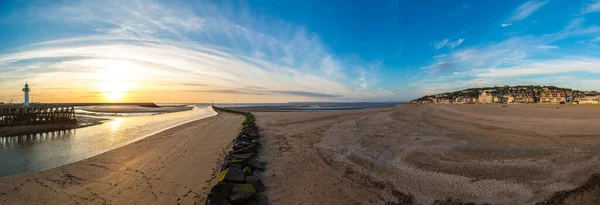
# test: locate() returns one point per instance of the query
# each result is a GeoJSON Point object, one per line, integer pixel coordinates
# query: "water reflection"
{"type": "Point", "coordinates": [30, 153]}
{"type": "Point", "coordinates": [30, 139]}
{"type": "Point", "coordinates": [114, 124]}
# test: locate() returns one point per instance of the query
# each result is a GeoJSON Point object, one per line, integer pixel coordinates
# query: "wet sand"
{"type": "Point", "coordinates": [520, 154]}
{"type": "Point", "coordinates": [176, 166]}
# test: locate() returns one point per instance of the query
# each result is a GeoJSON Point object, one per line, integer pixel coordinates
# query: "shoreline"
{"type": "Point", "coordinates": [152, 170]}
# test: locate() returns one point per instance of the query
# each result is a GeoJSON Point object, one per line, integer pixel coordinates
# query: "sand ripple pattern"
{"type": "Point", "coordinates": [475, 153]}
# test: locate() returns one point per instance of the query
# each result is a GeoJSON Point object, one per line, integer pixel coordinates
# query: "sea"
{"type": "Point", "coordinates": [312, 106]}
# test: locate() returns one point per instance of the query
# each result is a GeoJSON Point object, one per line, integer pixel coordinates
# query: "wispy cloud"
{"type": "Point", "coordinates": [190, 84]}
{"type": "Point", "coordinates": [526, 9]}
{"type": "Point", "coordinates": [449, 44]}
{"type": "Point", "coordinates": [367, 76]}
{"type": "Point", "coordinates": [544, 46]}
{"type": "Point", "coordinates": [440, 44]}
{"type": "Point", "coordinates": [591, 8]}
{"type": "Point", "coordinates": [545, 67]}
{"type": "Point", "coordinates": [506, 24]}
{"type": "Point", "coordinates": [454, 44]}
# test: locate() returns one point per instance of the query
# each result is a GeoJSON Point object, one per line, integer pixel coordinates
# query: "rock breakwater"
{"type": "Point", "coordinates": [239, 180]}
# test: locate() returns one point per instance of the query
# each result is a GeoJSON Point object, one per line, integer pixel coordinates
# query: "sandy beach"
{"type": "Point", "coordinates": [412, 154]}
{"type": "Point", "coordinates": [175, 166]}
{"type": "Point", "coordinates": [520, 154]}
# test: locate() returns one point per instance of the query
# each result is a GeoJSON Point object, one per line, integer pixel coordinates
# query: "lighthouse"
{"type": "Point", "coordinates": [26, 91]}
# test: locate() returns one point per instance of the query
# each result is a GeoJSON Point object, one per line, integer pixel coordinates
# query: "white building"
{"type": "Point", "coordinates": [486, 98]}
{"type": "Point", "coordinates": [26, 91]}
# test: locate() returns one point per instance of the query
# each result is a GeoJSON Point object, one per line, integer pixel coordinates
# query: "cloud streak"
{"type": "Point", "coordinates": [448, 43]}
{"type": "Point", "coordinates": [441, 44]}
{"type": "Point", "coordinates": [526, 9]}
{"type": "Point", "coordinates": [549, 67]}
{"type": "Point", "coordinates": [591, 8]}
{"type": "Point", "coordinates": [544, 46]}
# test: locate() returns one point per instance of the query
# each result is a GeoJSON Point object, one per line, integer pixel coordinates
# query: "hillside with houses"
{"type": "Point", "coordinates": [522, 94]}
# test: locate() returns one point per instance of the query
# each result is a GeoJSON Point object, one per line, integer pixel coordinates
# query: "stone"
{"type": "Point", "coordinates": [221, 190]}
{"type": "Point", "coordinates": [251, 130]}
{"type": "Point", "coordinates": [247, 171]}
{"type": "Point", "coordinates": [241, 144]}
{"type": "Point", "coordinates": [242, 156]}
{"type": "Point", "coordinates": [256, 182]}
{"type": "Point", "coordinates": [210, 201]}
{"type": "Point", "coordinates": [255, 165]}
{"type": "Point", "coordinates": [245, 138]}
{"type": "Point", "coordinates": [232, 174]}
{"type": "Point", "coordinates": [219, 194]}
{"type": "Point", "coordinates": [237, 164]}
{"type": "Point", "coordinates": [244, 150]}
{"type": "Point", "coordinates": [231, 160]}
{"type": "Point", "coordinates": [256, 173]}
{"type": "Point", "coordinates": [241, 193]}
{"type": "Point", "coordinates": [258, 199]}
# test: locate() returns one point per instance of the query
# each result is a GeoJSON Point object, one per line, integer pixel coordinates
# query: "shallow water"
{"type": "Point", "coordinates": [31, 153]}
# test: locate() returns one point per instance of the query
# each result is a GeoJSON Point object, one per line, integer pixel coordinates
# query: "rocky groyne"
{"type": "Point", "coordinates": [239, 180]}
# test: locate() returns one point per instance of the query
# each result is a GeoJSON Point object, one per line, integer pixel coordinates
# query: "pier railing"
{"type": "Point", "coordinates": [36, 114]}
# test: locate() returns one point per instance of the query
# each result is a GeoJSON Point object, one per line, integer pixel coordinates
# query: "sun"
{"type": "Point", "coordinates": [113, 90]}
{"type": "Point", "coordinates": [115, 81]}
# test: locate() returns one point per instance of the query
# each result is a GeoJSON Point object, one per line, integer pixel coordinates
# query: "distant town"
{"type": "Point", "coordinates": [522, 94]}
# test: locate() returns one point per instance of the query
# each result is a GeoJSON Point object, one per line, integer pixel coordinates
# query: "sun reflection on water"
{"type": "Point", "coordinates": [115, 123]}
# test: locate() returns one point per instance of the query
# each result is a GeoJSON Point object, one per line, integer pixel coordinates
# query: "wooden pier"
{"type": "Point", "coordinates": [14, 115]}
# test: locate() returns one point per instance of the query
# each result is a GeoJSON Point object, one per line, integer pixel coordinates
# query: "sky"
{"type": "Point", "coordinates": [291, 51]}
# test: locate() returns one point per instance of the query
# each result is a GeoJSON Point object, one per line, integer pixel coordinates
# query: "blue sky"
{"type": "Point", "coordinates": [279, 51]}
